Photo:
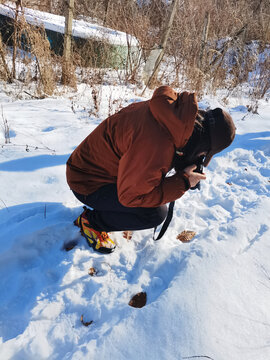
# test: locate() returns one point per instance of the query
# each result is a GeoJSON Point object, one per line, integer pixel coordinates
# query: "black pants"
{"type": "Point", "coordinates": [110, 215]}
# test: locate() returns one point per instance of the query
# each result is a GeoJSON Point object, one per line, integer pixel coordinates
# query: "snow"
{"type": "Point", "coordinates": [207, 299]}
{"type": "Point", "coordinates": [80, 28]}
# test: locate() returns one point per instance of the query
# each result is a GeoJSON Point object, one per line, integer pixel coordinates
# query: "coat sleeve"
{"type": "Point", "coordinates": [141, 178]}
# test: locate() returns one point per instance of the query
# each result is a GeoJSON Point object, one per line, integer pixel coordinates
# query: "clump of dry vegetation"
{"type": "Point", "coordinates": [31, 59]}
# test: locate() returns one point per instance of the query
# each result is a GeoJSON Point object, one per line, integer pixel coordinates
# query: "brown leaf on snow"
{"type": "Point", "coordinates": [127, 235]}
{"type": "Point", "coordinates": [229, 183]}
{"type": "Point", "coordinates": [86, 323]}
{"type": "Point", "coordinates": [186, 236]}
{"type": "Point", "coordinates": [138, 300]}
{"type": "Point", "coordinates": [92, 271]}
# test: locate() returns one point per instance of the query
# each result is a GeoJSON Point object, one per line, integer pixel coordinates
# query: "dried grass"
{"type": "Point", "coordinates": [198, 60]}
{"type": "Point", "coordinates": [40, 49]}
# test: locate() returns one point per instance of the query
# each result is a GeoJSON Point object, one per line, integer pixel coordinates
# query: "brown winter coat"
{"type": "Point", "coordinates": [134, 148]}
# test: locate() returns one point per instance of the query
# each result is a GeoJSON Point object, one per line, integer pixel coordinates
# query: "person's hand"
{"type": "Point", "coordinates": [193, 177]}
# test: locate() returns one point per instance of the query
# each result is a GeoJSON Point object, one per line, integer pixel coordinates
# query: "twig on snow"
{"type": "Point", "coordinates": [5, 128]}
{"type": "Point", "coordinates": [34, 96]}
{"type": "Point", "coordinates": [29, 146]}
{"type": "Point", "coordinates": [198, 356]}
{"type": "Point", "coordinates": [4, 204]}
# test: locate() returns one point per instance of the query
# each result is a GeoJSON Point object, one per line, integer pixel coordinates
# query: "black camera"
{"type": "Point", "coordinates": [199, 169]}
{"type": "Point", "coordinates": [180, 163]}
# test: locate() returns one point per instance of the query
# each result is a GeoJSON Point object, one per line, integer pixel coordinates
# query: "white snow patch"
{"type": "Point", "coordinates": [209, 297]}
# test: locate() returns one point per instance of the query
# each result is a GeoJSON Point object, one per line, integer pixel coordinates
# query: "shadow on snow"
{"type": "Point", "coordinates": [34, 163]}
{"type": "Point", "coordinates": [32, 260]}
{"type": "Point", "coordinates": [250, 141]}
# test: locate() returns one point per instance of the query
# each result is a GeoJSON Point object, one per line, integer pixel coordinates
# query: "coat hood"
{"type": "Point", "coordinates": [221, 131]}
{"type": "Point", "coordinates": [176, 112]}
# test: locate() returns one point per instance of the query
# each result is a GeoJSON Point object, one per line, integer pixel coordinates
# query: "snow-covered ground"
{"type": "Point", "coordinates": [207, 299]}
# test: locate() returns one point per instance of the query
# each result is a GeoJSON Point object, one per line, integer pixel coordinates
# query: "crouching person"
{"type": "Point", "coordinates": [120, 169]}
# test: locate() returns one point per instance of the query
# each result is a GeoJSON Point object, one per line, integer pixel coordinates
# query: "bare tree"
{"type": "Point", "coordinates": [67, 73]}
{"type": "Point", "coordinates": [204, 38]}
{"type": "Point", "coordinates": [106, 5]}
{"type": "Point", "coordinates": [15, 37]}
{"type": "Point", "coordinates": [163, 43]}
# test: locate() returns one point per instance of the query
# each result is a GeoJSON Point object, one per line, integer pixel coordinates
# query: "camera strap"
{"type": "Point", "coordinates": [166, 222]}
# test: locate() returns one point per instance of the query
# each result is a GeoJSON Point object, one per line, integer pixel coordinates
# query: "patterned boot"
{"type": "Point", "coordinates": [98, 240]}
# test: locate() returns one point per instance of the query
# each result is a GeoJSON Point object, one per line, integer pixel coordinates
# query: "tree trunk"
{"type": "Point", "coordinates": [106, 4]}
{"type": "Point", "coordinates": [67, 61]}
{"type": "Point", "coordinates": [204, 38]}
{"type": "Point", "coordinates": [15, 37]}
{"type": "Point", "coordinates": [163, 44]}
